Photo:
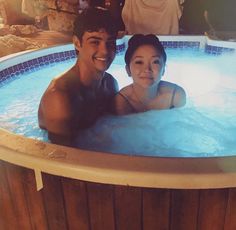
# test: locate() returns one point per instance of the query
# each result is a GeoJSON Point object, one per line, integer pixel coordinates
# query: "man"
{"type": "Point", "coordinates": [74, 100]}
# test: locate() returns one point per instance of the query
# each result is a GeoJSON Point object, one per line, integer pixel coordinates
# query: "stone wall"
{"type": "Point", "coordinates": [60, 20]}
{"type": "Point", "coordinates": [3, 15]}
{"type": "Point", "coordinates": [12, 44]}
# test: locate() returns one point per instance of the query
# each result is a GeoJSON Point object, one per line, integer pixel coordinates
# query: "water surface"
{"type": "Point", "coordinates": [206, 126]}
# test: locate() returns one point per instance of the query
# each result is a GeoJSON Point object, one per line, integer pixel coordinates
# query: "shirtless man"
{"type": "Point", "coordinates": [74, 100]}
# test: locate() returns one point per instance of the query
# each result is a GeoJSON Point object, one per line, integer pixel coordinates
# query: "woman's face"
{"type": "Point", "coordinates": [146, 66]}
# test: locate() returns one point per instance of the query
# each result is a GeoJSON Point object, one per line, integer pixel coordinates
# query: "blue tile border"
{"type": "Point", "coordinates": [181, 44]}
{"type": "Point", "coordinates": [42, 61]}
{"type": "Point", "coordinates": [33, 64]}
{"type": "Point", "coordinates": [215, 50]}
{"type": "Point", "coordinates": [120, 48]}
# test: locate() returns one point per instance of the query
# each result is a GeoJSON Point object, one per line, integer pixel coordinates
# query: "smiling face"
{"type": "Point", "coordinates": [97, 50]}
{"type": "Point", "coordinates": [146, 66]}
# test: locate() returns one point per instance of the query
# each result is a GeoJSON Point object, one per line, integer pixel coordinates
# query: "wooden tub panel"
{"type": "Point", "coordinates": [156, 206]}
{"type": "Point", "coordinates": [35, 201]}
{"type": "Point", "coordinates": [7, 216]}
{"type": "Point", "coordinates": [230, 218]}
{"type": "Point", "coordinates": [101, 206]}
{"type": "Point", "coordinates": [16, 179]}
{"type": "Point", "coordinates": [54, 202]}
{"type": "Point", "coordinates": [76, 204]}
{"type": "Point", "coordinates": [184, 209]}
{"type": "Point", "coordinates": [72, 204]}
{"type": "Point", "coordinates": [128, 206]}
{"type": "Point", "coordinates": [212, 210]}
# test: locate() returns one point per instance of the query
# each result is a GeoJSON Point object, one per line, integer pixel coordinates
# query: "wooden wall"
{"type": "Point", "coordinates": [72, 204]}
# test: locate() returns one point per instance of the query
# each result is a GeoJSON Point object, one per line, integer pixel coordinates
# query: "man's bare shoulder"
{"type": "Point", "coordinates": [55, 93]}
{"type": "Point", "coordinates": [55, 102]}
{"type": "Point", "coordinates": [60, 85]}
{"type": "Point", "coordinates": [64, 81]}
{"type": "Point", "coordinates": [54, 105]}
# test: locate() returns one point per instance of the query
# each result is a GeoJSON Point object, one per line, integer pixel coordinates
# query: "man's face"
{"type": "Point", "coordinates": [97, 50]}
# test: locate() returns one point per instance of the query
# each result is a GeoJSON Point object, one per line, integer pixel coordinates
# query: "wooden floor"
{"type": "Point", "coordinates": [50, 38]}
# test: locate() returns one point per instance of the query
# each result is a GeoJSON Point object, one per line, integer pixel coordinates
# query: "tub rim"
{"type": "Point", "coordinates": [118, 169]}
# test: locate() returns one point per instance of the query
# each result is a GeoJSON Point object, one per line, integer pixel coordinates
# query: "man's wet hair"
{"type": "Point", "coordinates": [93, 19]}
{"type": "Point", "coordinates": [138, 40]}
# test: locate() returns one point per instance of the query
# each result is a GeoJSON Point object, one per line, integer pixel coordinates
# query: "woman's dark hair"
{"type": "Point", "coordinates": [94, 19]}
{"type": "Point", "coordinates": [138, 40]}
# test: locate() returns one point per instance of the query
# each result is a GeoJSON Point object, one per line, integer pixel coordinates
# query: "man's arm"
{"type": "Point", "coordinates": [60, 139]}
{"type": "Point", "coordinates": [111, 83]}
{"type": "Point", "coordinates": [57, 117]}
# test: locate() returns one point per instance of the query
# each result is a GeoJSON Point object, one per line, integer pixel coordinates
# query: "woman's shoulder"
{"type": "Point", "coordinates": [126, 91]}
{"type": "Point", "coordinates": [178, 94]}
{"type": "Point", "coordinates": [167, 86]}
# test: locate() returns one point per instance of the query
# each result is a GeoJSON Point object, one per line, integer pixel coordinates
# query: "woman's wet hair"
{"type": "Point", "coordinates": [138, 40]}
{"type": "Point", "coordinates": [94, 19]}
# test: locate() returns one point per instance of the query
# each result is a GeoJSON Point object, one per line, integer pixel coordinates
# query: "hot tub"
{"type": "Point", "coordinates": [47, 186]}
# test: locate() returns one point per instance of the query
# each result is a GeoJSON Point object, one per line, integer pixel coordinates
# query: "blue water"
{"type": "Point", "coordinates": [205, 127]}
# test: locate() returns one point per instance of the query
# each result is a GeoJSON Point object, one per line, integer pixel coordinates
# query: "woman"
{"type": "Point", "coordinates": [145, 61]}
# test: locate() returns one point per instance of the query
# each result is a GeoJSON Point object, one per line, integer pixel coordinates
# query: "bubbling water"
{"type": "Point", "coordinates": [179, 132]}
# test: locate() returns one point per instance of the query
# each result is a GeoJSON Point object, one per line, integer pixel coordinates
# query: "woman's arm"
{"type": "Point", "coordinates": [179, 99]}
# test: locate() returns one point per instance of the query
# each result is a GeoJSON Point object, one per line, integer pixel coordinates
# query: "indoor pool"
{"type": "Point", "coordinates": [205, 127]}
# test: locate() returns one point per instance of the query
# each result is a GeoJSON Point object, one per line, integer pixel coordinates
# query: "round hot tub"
{"type": "Point", "coordinates": [47, 186]}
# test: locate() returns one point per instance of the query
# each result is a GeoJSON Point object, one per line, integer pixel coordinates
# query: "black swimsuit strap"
{"type": "Point", "coordinates": [127, 100]}
{"type": "Point", "coordinates": [172, 98]}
